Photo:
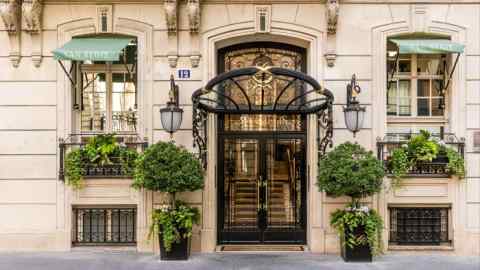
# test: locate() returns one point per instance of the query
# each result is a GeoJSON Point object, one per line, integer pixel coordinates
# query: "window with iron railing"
{"type": "Point", "coordinates": [416, 98]}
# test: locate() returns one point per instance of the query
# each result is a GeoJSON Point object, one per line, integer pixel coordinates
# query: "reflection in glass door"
{"type": "Point", "coordinates": [284, 160]}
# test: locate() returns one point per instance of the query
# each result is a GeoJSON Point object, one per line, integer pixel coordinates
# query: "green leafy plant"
{"type": "Point", "coordinates": [423, 148]}
{"type": "Point", "coordinates": [165, 167]}
{"type": "Point", "coordinates": [74, 171]}
{"type": "Point", "coordinates": [456, 163]}
{"type": "Point", "coordinates": [100, 150]}
{"type": "Point", "coordinates": [174, 224]}
{"type": "Point", "coordinates": [347, 222]}
{"type": "Point", "coordinates": [350, 170]}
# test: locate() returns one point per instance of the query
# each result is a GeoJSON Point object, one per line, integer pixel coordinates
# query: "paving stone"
{"type": "Point", "coordinates": [108, 260]}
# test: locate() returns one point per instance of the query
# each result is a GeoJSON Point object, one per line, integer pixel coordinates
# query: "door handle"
{"type": "Point", "coordinates": [259, 186]}
{"type": "Point", "coordinates": [265, 205]}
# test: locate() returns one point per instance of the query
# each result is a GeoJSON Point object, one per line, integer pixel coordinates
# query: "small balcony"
{"type": "Point", "coordinates": [437, 168]}
{"type": "Point", "coordinates": [114, 168]}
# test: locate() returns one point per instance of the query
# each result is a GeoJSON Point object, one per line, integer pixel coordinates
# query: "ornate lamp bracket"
{"type": "Point", "coordinates": [325, 128]}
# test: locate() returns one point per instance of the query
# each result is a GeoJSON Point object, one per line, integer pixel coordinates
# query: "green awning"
{"type": "Point", "coordinates": [427, 46]}
{"type": "Point", "coordinates": [94, 49]}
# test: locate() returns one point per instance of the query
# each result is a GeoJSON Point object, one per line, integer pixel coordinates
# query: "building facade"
{"type": "Point", "coordinates": [254, 158]}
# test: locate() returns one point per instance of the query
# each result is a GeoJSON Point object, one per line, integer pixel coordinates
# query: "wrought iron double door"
{"type": "Point", "coordinates": [261, 189]}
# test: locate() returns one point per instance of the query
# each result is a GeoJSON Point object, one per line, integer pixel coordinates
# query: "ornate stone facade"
{"type": "Point", "coordinates": [172, 35]}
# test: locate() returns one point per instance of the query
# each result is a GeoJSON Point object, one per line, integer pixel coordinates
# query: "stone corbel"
{"type": "Point", "coordinates": [10, 11]}
{"type": "Point", "coordinates": [333, 7]}
{"type": "Point", "coordinates": [195, 60]}
{"type": "Point", "coordinates": [330, 56]}
{"type": "Point", "coordinates": [32, 11]}
{"type": "Point", "coordinates": [171, 15]}
{"type": "Point", "coordinates": [172, 60]}
{"type": "Point", "coordinates": [193, 10]}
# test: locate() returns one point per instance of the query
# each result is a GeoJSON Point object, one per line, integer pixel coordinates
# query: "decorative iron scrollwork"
{"type": "Point", "coordinates": [200, 131]}
{"type": "Point", "coordinates": [261, 90]}
{"type": "Point", "coordinates": [325, 121]}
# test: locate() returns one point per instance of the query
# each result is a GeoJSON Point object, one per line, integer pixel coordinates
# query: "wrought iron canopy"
{"type": "Point", "coordinates": [263, 90]}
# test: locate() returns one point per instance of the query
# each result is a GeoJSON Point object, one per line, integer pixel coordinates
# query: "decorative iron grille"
{"type": "Point", "coordinates": [104, 226]}
{"type": "Point", "coordinates": [419, 226]}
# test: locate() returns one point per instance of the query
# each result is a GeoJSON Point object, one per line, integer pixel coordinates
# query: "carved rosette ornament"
{"type": "Point", "coordinates": [10, 11]}
{"type": "Point", "coordinates": [333, 7]}
{"type": "Point", "coordinates": [171, 13]}
{"type": "Point", "coordinates": [193, 10]}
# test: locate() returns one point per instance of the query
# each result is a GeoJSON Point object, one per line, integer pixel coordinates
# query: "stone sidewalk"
{"type": "Point", "coordinates": [121, 260]}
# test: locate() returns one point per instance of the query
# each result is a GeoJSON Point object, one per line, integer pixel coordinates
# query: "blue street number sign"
{"type": "Point", "coordinates": [184, 73]}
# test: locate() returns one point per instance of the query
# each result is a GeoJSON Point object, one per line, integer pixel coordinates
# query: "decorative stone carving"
{"type": "Point", "coordinates": [172, 60]}
{"type": "Point", "coordinates": [331, 56]}
{"type": "Point", "coordinates": [32, 11]}
{"type": "Point", "coordinates": [195, 60]}
{"type": "Point", "coordinates": [193, 10]}
{"type": "Point", "coordinates": [333, 7]}
{"type": "Point", "coordinates": [32, 15]}
{"type": "Point", "coordinates": [171, 13]}
{"type": "Point", "coordinates": [10, 11]}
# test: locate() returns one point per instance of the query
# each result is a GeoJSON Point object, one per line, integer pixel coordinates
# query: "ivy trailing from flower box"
{"type": "Point", "coordinates": [423, 148]}
{"type": "Point", "coordinates": [101, 150]}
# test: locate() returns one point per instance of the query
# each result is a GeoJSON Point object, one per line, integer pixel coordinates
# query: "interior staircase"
{"type": "Point", "coordinates": [245, 203]}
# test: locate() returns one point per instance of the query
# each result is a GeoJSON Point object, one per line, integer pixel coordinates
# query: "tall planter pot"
{"type": "Point", "coordinates": [179, 251]}
{"type": "Point", "coordinates": [360, 253]}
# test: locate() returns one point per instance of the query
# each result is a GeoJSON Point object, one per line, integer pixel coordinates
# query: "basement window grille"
{"type": "Point", "coordinates": [104, 226]}
{"type": "Point", "coordinates": [419, 226]}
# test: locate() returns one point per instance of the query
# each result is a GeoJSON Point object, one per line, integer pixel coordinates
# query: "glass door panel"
{"type": "Point", "coordinates": [241, 186]}
{"type": "Point", "coordinates": [94, 97]}
{"type": "Point", "coordinates": [284, 161]}
{"type": "Point", "coordinates": [124, 112]}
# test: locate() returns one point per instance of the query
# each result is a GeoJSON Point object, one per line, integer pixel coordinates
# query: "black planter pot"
{"type": "Point", "coordinates": [179, 251]}
{"type": "Point", "coordinates": [361, 253]}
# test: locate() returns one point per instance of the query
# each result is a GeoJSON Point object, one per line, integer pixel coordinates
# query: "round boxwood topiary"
{"type": "Point", "coordinates": [166, 167]}
{"type": "Point", "coordinates": [350, 170]}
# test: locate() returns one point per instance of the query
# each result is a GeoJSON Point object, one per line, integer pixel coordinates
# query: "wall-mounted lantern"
{"type": "Point", "coordinates": [354, 113]}
{"type": "Point", "coordinates": [171, 115]}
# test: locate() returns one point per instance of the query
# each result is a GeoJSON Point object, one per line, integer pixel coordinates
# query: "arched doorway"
{"type": "Point", "coordinates": [261, 97]}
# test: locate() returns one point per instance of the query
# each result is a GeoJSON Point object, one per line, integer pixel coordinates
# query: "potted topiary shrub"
{"type": "Point", "coordinates": [350, 170]}
{"type": "Point", "coordinates": [165, 167]}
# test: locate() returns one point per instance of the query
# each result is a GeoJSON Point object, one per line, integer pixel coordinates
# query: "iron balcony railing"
{"type": "Point", "coordinates": [92, 170]}
{"type": "Point", "coordinates": [436, 168]}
